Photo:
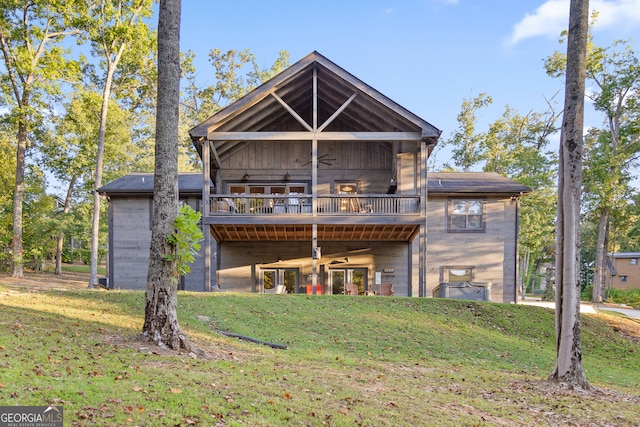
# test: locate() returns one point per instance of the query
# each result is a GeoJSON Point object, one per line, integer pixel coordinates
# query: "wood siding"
{"type": "Point", "coordinates": [129, 240]}
{"type": "Point", "coordinates": [626, 269]}
{"type": "Point", "coordinates": [491, 253]}
{"type": "Point", "coordinates": [368, 163]}
{"type": "Point", "coordinates": [239, 262]}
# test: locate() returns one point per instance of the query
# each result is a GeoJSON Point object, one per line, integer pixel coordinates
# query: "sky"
{"type": "Point", "coordinates": [426, 55]}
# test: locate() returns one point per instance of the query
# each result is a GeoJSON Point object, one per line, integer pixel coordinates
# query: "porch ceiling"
{"type": "Point", "coordinates": [303, 232]}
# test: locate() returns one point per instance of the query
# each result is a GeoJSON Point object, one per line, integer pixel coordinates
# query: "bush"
{"type": "Point", "coordinates": [586, 294]}
{"type": "Point", "coordinates": [624, 296]}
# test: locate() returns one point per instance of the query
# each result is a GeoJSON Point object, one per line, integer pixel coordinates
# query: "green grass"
{"type": "Point", "coordinates": [81, 268]}
{"type": "Point", "coordinates": [383, 361]}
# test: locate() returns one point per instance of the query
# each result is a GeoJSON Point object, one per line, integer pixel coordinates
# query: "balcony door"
{"type": "Point", "coordinates": [285, 197]}
{"type": "Point", "coordinates": [279, 280]}
{"type": "Point", "coordinates": [339, 276]}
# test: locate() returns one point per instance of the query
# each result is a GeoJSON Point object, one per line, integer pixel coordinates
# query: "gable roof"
{"type": "Point", "coordinates": [286, 103]}
{"type": "Point", "coordinates": [473, 183]}
{"type": "Point", "coordinates": [335, 85]}
{"type": "Point", "coordinates": [142, 183]}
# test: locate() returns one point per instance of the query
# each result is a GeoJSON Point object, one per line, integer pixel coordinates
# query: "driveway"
{"type": "Point", "coordinates": [630, 312]}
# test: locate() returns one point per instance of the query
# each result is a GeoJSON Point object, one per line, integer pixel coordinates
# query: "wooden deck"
{"type": "Point", "coordinates": [372, 217]}
{"type": "Point", "coordinates": [301, 204]}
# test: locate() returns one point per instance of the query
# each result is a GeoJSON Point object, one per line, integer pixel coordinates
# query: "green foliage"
{"type": "Point", "coordinates": [515, 146]}
{"type": "Point", "coordinates": [236, 73]}
{"type": "Point", "coordinates": [611, 153]}
{"type": "Point", "coordinates": [624, 296]}
{"type": "Point", "coordinates": [186, 239]}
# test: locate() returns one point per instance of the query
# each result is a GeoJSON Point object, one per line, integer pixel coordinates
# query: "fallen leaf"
{"type": "Point", "coordinates": [175, 390]}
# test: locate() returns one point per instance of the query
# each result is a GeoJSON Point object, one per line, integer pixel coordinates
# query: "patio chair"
{"type": "Point", "coordinates": [386, 289]}
{"type": "Point", "coordinates": [351, 289]}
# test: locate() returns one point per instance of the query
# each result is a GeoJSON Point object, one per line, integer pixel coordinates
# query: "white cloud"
{"type": "Point", "coordinates": [549, 19]}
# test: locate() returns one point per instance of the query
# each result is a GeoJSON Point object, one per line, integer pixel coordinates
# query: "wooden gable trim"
{"type": "Point", "coordinates": [208, 127]}
{"type": "Point", "coordinates": [320, 136]}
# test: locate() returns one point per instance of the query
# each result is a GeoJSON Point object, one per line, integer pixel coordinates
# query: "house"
{"type": "Point", "coordinates": [315, 182]}
{"type": "Point", "coordinates": [129, 219]}
{"type": "Point", "coordinates": [624, 269]}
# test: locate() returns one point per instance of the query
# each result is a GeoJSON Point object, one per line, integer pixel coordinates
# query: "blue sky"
{"type": "Point", "coordinates": [426, 55]}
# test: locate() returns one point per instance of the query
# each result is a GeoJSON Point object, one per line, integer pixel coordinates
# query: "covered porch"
{"type": "Point", "coordinates": [314, 155]}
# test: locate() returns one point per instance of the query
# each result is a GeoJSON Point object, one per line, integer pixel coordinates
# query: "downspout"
{"type": "Point", "coordinates": [517, 254]}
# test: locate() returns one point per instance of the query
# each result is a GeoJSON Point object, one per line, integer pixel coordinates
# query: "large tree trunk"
{"type": "Point", "coordinates": [65, 210]}
{"type": "Point", "coordinates": [18, 196]}
{"type": "Point", "coordinates": [600, 271]}
{"type": "Point", "coordinates": [161, 320]}
{"type": "Point", "coordinates": [569, 352]}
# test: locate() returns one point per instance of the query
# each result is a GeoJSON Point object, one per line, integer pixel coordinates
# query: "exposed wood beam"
{"type": "Point", "coordinates": [337, 113]}
{"type": "Point", "coordinates": [292, 112]}
{"type": "Point", "coordinates": [320, 136]}
{"type": "Point", "coordinates": [212, 147]}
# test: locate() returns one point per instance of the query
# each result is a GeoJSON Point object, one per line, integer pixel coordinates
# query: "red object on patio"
{"type": "Point", "coordinates": [318, 289]}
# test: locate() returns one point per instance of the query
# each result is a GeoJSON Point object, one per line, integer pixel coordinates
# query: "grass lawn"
{"type": "Point", "coordinates": [82, 268]}
{"type": "Point", "coordinates": [364, 361]}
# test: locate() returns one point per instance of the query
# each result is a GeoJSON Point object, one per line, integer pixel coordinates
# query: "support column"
{"type": "Point", "coordinates": [206, 208]}
{"type": "Point", "coordinates": [422, 284]}
{"type": "Point", "coordinates": [315, 253]}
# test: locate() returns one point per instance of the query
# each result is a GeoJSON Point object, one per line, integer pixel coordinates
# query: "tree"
{"type": "Point", "coordinates": [118, 33]}
{"type": "Point", "coordinates": [568, 366]}
{"type": "Point", "coordinates": [161, 321]}
{"type": "Point", "coordinates": [230, 84]}
{"type": "Point", "coordinates": [516, 146]}
{"type": "Point", "coordinates": [31, 33]}
{"type": "Point", "coordinates": [615, 72]}
{"type": "Point", "coordinates": [70, 154]}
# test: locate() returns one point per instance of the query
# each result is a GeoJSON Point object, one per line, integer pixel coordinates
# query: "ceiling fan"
{"type": "Point", "coordinates": [324, 159]}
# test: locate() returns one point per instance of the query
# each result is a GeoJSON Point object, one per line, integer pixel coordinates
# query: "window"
{"type": "Point", "coordinates": [623, 278]}
{"type": "Point", "coordinates": [347, 188]}
{"type": "Point", "coordinates": [465, 215]}
{"type": "Point", "coordinates": [279, 281]}
{"type": "Point", "coordinates": [456, 274]}
{"type": "Point", "coordinates": [633, 261]}
{"type": "Point", "coordinates": [339, 277]}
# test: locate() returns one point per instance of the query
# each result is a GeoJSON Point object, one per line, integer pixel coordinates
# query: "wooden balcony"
{"type": "Point", "coordinates": [301, 204]}
{"type": "Point", "coordinates": [369, 217]}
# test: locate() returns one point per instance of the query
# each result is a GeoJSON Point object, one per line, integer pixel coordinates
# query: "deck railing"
{"type": "Point", "coordinates": [300, 204]}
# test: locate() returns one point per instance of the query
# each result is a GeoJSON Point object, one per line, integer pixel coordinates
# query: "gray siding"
{"type": "Point", "coordinates": [491, 253]}
{"type": "Point", "coordinates": [129, 240]}
{"type": "Point", "coordinates": [239, 262]}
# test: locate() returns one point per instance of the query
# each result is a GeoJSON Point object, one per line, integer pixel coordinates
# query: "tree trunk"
{"type": "Point", "coordinates": [65, 210]}
{"type": "Point", "coordinates": [599, 273]}
{"type": "Point", "coordinates": [18, 196]}
{"type": "Point", "coordinates": [161, 320]}
{"type": "Point", "coordinates": [95, 217]}
{"type": "Point", "coordinates": [569, 352]}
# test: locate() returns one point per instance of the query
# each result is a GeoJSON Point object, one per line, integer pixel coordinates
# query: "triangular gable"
{"type": "Point", "coordinates": [344, 104]}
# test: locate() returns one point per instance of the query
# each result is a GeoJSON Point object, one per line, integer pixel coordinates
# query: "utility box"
{"type": "Point", "coordinates": [474, 291]}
